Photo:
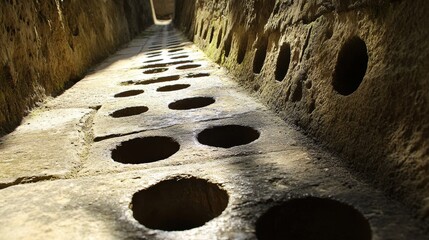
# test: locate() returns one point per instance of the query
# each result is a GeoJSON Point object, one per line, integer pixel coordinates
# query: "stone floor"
{"type": "Point", "coordinates": [158, 142]}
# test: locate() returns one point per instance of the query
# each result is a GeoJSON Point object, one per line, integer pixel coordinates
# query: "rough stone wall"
{"type": "Point", "coordinates": [352, 74]}
{"type": "Point", "coordinates": [46, 44]}
{"type": "Point", "coordinates": [164, 9]}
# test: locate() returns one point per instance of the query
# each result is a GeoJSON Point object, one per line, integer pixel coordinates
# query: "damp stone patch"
{"type": "Point", "coordinates": [145, 150]}
{"type": "Point", "coordinates": [178, 204]}
{"type": "Point", "coordinates": [129, 111]}
{"type": "Point", "coordinates": [189, 66]}
{"type": "Point", "coordinates": [171, 88]}
{"type": "Point", "coordinates": [129, 93]}
{"type": "Point", "coordinates": [228, 136]}
{"type": "Point", "coordinates": [191, 103]}
{"type": "Point", "coordinates": [313, 218]}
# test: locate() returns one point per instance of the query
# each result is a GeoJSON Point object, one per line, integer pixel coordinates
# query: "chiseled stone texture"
{"type": "Point", "coordinates": [46, 46]}
{"type": "Point", "coordinates": [382, 128]}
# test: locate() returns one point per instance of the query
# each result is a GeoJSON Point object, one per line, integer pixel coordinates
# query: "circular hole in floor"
{"type": "Point", "coordinates": [351, 66]}
{"type": "Point", "coordinates": [156, 70]}
{"type": "Point", "coordinates": [158, 65]}
{"type": "Point", "coordinates": [178, 204]}
{"type": "Point", "coordinates": [159, 80]}
{"type": "Point", "coordinates": [155, 55]}
{"type": "Point", "coordinates": [197, 75]}
{"type": "Point", "coordinates": [176, 50]}
{"type": "Point", "coordinates": [171, 88]}
{"type": "Point", "coordinates": [189, 66]}
{"type": "Point", "coordinates": [228, 136]}
{"type": "Point", "coordinates": [191, 103]}
{"type": "Point", "coordinates": [313, 218]}
{"type": "Point", "coordinates": [129, 93]}
{"type": "Point", "coordinates": [179, 57]}
{"type": "Point", "coordinates": [153, 61]}
{"type": "Point", "coordinates": [145, 150]}
{"type": "Point", "coordinates": [129, 111]}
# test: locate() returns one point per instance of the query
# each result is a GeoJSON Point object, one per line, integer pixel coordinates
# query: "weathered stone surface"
{"type": "Point", "coordinates": [46, 45]}
{"type": "Point", "coordinates": [380, 125]}
{"type": "Point", "coordinates": [48, 145]}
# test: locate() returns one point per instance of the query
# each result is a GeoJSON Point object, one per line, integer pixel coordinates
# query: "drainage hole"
{"type": "Point", "coordinates": [228, 136]}
{"type": "Point", "coordinates": [178, 204]}
{"type": "Point", "coordinates": [153, 61]}
{"type": "Point", "coordinates": [191, 103]}
{"type": "Point", "coordinates": [313, 218]}
{"type": "Point", "coordinates": [130, 111]}
{"type": "Point", "coordinates": [156, 70]}
{"type": "Point", "coordinates": [171, 88]}
{"type": "Point", "coordinates": [155, 55]}
{"type": "Point", "coordinates": [176, 50]}
{"type": "Point", "coordinates": [145, 150]}
{"type": "Point", "coordinates": [158, 65]}
{"type": "Point", "coordinates": [189, 66]}
{"type": "Point", "coordinates": [129, 93]}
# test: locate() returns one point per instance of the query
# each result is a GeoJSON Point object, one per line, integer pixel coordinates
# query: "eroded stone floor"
{"type": "Point", "coordinates": [158, 142]}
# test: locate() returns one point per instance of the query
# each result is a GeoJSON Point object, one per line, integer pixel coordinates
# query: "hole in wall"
{"type": "Point", "coordinates": [191, 103]}
{"type": "Point", "coordinates": [260, 55]}
{"type": "Point", "coordinates": [351, 66]}
{"type": "Point", "coordinates": [129, 111]}
{"type": "Point", "coordinates": [211, 35]}
{"type": "Point", "coordinates": [205, 33]}
{"type": "Point", "coordinates": [189, 66]}
{"type": "Point", "coordinates": [201, 28]}
{"type": "Point", "coordinates": [283, 61]}
{"type": "Point", "coordinates": [129, 93]}
{"type": "Point", "coordinates": [228, 136]}
{"type": "Point", "coordinates": [227, 45]}
{"type": "Point", "coordinates": [159, 80]}
{"type": "Point", "coordinates": [180, 203]}
{"type": "Point", "coordinates": [156, 70]}
{"type": "Point", "coordinates": [145, 150]}
{"type": "Point", "coordinates": [175, 87]}
{"type": "Point", "coordinates": [242, 49]}
{"type": "Point", "coordinates": [313, 218]}
{"type": "Point", "coordinates": [219, 38]}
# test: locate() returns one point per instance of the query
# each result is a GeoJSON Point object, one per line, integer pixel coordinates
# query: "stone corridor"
{"type": "Point", "coordinates": [159, 142]}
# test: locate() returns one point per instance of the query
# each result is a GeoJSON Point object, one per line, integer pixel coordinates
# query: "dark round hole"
{"type": "Point", "coordinates": [156, 70]}
{"type": "Point", "coordinates": [313, 218]}
{"type": "Point", "coordinates": [159, 80]}
{"type": "Point", "coordinates": [283, 62]}
{"type": "Point", "coordinates": [260, 55]}
{"type": "Point", "coordinates": [180, 57]}
{"type": "Point", "coordinates": [153, 61]}
{"type": "Point", "coordinates": [156, 55]}
{"type": "Point", "coordinates": [242, 49]}
{"type": "Point", "coordinates": [197, 75]}
{"type": "Point", "coordinates": [228, 136]}
{"type": "Point", "coordinates": [189, 66]}
{"type": "Point", "coordinates": [129, 111]}
{"type": "Point", "coordinates": [351, 66]}
{"type": "Point", "coordinates": [179, 204]}
{"type": "Point", "coordinates": [145, 150]}
{"type": "Point", "coordinates": [227, 45]}
{"type": "Point", "coordinates": [191, 103]}
{"type": "Point", "coordinates": [158, 65]}
{"type": "Point", "coordinates": [175, 50]}
{"type": "Point", "coordinates": [129, 93]}
{"type": "Point", "coordinates": [175, 87]}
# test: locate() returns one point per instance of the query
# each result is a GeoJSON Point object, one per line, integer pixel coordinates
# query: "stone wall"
{"type": "Point", "coordinates": [45, 45]}
{"type": "Point", "coordinates": [352, 74]}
